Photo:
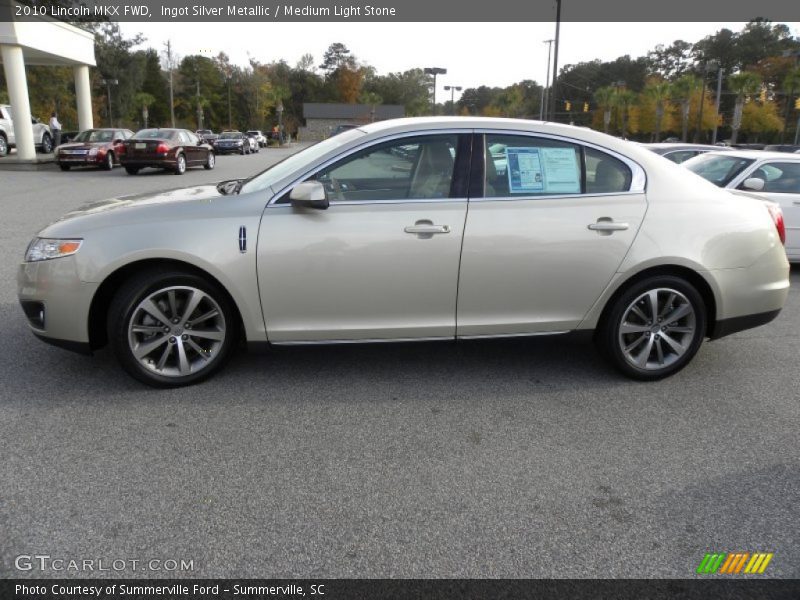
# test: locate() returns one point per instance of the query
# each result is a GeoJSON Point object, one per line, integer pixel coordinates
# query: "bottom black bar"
{"type": "Point", "coordinates": [397, 589]}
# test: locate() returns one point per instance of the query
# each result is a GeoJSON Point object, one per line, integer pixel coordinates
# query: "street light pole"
{"type": "Point", "coordinates": [434, 71]}
{"type": "Point", "coordinates": [716, 105]}
{"type": "Point", "coordinates": [453, 89]}
{"type": "Point", "coordinates": [279, 110]}
{"type": "Point", "coordinates": [707, 68]}
{"type": "Point", "coordinates": [545, 95]}
{"type": "Point", "coordinates": [230, 118]}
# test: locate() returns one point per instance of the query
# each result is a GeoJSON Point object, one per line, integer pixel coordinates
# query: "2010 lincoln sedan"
{"type": "Point", "coordinates": [414, 229]}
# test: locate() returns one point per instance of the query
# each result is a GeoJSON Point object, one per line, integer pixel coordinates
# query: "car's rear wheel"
{"type": "Point", "coordinates": [210, 162]}
{"type": "Point", "coordinates": [170, 328]}
{"type": "Point", "coordinates": [64, 167]}
{"type": "Point", "coordinates": [108, 163]}
{"type": "Point", "coordinates": [132, 170]}
{"type": "Point", "coordinates": [654, 328]}
{"type": "Point", "coordinates": [241, 150]}
{"type": "Point", "coordinates": [180, 164]}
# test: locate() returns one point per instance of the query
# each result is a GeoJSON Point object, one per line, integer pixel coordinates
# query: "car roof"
{"type": "Point", "coordinates": [760, 154]}
{"type": "Point", "coordinates": [682, 146]}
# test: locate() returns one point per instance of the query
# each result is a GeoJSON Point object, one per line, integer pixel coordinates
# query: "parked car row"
{"type": "Point", "coordinates": [236, 142]}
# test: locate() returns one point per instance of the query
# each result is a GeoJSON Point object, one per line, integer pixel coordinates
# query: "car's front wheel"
{"type": "Point", "coordinates": [3, 145]}
{"type": "Point", "coordinates": [108, 163]}
{"type": "Point", "coordinates": [169, 328]}
{"type": "Point", "coordinates": [47, 144]}
{"type": "Point", "coordinates": [654, 328]}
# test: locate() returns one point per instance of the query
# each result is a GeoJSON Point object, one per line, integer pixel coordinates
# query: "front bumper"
{"type": "Point", "coordinates": [54, 287]}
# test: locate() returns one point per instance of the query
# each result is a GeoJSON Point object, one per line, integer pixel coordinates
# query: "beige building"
{"type": "Point", "coordinates": [322, 119]}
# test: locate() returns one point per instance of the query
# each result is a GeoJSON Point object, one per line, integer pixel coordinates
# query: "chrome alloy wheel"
{"type": "Point", "coordinates": [176, 331]}
{"type": "Point", "coordinates": [657, 329]}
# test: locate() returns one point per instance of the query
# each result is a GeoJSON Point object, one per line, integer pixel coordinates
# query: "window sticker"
{"type": "Point", "coordinates": [524, 170]}
{"type": "Point", "coordinates": [562, 174]}
{"type": "Point", "coordinates": [543, 170]}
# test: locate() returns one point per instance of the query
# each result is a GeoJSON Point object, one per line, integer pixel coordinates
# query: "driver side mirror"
{"type": "Point", "coordinates": [309, 194]}
{"type": "Point", "coordinates": [755, 184]}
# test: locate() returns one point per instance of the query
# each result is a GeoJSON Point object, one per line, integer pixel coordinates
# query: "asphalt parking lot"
{"type": "Point", "coordinates": [482, 459]}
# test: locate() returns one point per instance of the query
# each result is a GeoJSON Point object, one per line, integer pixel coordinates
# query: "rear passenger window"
{"type": "Point", "coordinates": [528, 166]}
{"type": "Point", "coordinates": [606, 174]}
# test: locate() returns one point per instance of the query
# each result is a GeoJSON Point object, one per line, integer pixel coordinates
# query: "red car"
{"type": "Point", "coordinates": [171, 149]}
{"type": "Point", "coordinates": [95, 147]}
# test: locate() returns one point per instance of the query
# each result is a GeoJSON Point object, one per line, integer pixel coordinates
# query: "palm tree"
{"type": "Point", "coordinates": [742, 84]}
{"type": "Point", "coordinates": [605, 98]}
{"type": "Point", "coordinates": [660, 92]}
{"type": "Point", "coordinates": [790, 84]}
{"type": "Point", "coordinates": [624, 100]}
{"type": "Point", "coordinates": [144, 100]}
{"type": "Point", "coordinates": [682, 91]}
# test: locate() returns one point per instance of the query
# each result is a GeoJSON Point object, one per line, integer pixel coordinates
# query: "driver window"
{"type": "Point", "coordinates": [411, 168]}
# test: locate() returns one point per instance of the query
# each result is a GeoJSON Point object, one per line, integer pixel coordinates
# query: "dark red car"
{"type": "Point", "coordinates": [171, 149]}
{"type": "Point", "coordinates": [96, 147]}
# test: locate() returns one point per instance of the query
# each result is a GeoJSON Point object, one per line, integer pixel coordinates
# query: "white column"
{"type": "Point", "coordinates": [83, 95]}
{"type": "Point", "coordinates": [14, 67]}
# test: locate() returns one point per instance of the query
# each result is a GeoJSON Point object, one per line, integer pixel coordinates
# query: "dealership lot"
{"type": "Point", "coordinates": [492, 459]}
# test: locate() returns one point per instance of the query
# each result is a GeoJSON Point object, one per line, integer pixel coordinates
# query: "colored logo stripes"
{"type": "Point", "coordinates": [734, 563]}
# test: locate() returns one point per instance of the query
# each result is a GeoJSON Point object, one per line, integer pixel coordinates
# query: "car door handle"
{"type": "Point", "coordinates": [607, 225]}
{"type": "Point", "coordinates": [426, 228]}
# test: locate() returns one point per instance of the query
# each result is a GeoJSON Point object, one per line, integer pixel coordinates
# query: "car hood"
{"type": "Point", "coordinates": [170, 204]}
{"type": "Point", "coordinates": [82, 145]}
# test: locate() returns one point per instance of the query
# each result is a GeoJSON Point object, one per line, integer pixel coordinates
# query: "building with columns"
{"type": "Point", "coordinates": [42, 41]}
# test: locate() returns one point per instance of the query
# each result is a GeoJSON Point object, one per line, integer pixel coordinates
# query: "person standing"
{"type": "Point", "coordinates": [55, 130]}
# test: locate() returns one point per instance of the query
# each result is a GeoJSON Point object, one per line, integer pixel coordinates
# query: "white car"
{"type": "Point", "coordinates": [259, 136]}
{"type": "Point", "coordinates": [772, 176]}
{"type": "Point", "coordinates": [42, 137]}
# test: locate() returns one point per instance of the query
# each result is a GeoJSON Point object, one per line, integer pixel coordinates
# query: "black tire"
{"type": "Point", "coordinates": [108, 163]}
{"type": "Point", "coordinates": [64, 167]}
{"type": "Point", "coordinates": [3, 145]}
{"type": "Point", "coordinates": [242, 151]}
{"type": "Point", "coordinates": [47, 144]}
{"type": "Point", "coordinates": [132, 170]}
{"type": "Point", "coordinates": [211, 162]}
{"type": "Point", "coordinates": [180, 164]}
{"type": "Point", "coordinates": [125, 307]}
{"type": "Point", "coordinates": [652, 335]}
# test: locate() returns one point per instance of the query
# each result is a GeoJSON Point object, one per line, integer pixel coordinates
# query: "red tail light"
{"type": "Point", "coordinates": [120, 149]}
{"type": "Point", "coordinates": [162, 148]}
{"type": "Point", "coordinates": [777, 218]}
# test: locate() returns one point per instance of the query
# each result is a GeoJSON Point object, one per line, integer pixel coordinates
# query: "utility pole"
{"type": "Point", "coordinates": [170, 66]}
{"type": "Point", "coordinates": [545, 95]}
{"type": "Point", "coordinates": [555, 60]}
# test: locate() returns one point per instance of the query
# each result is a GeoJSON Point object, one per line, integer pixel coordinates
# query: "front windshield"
{"type": "Point", "coordinates": [94, 135]}
{"type": "Point", "coordinates": [293, 163]}
{"type": "Point", "coordinates": [719, 169]}
{"type": "Point", "coordinates": [231, 136]}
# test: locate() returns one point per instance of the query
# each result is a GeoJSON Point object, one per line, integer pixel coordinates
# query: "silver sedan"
{"type": "Point", "coordinates": [414, 229]}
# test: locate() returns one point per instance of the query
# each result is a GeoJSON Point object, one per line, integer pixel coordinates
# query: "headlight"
{"type": "Point", "coordinates": [93, 151]}
{"type": "Point", "coordinates": [45, 249]}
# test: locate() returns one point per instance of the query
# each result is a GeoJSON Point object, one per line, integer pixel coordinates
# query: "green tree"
{"type": "Point", "coordinates": [743, 84]}
{"type": "Point", "coordinates": [605, 97]}
{"type": "Point", "coordinates": [659, 92]}
{"type": "Point", "coordinates": [682, 91]}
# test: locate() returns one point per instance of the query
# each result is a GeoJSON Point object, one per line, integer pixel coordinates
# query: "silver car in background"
{"type": "Point", "coordinates": [414, 229]}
